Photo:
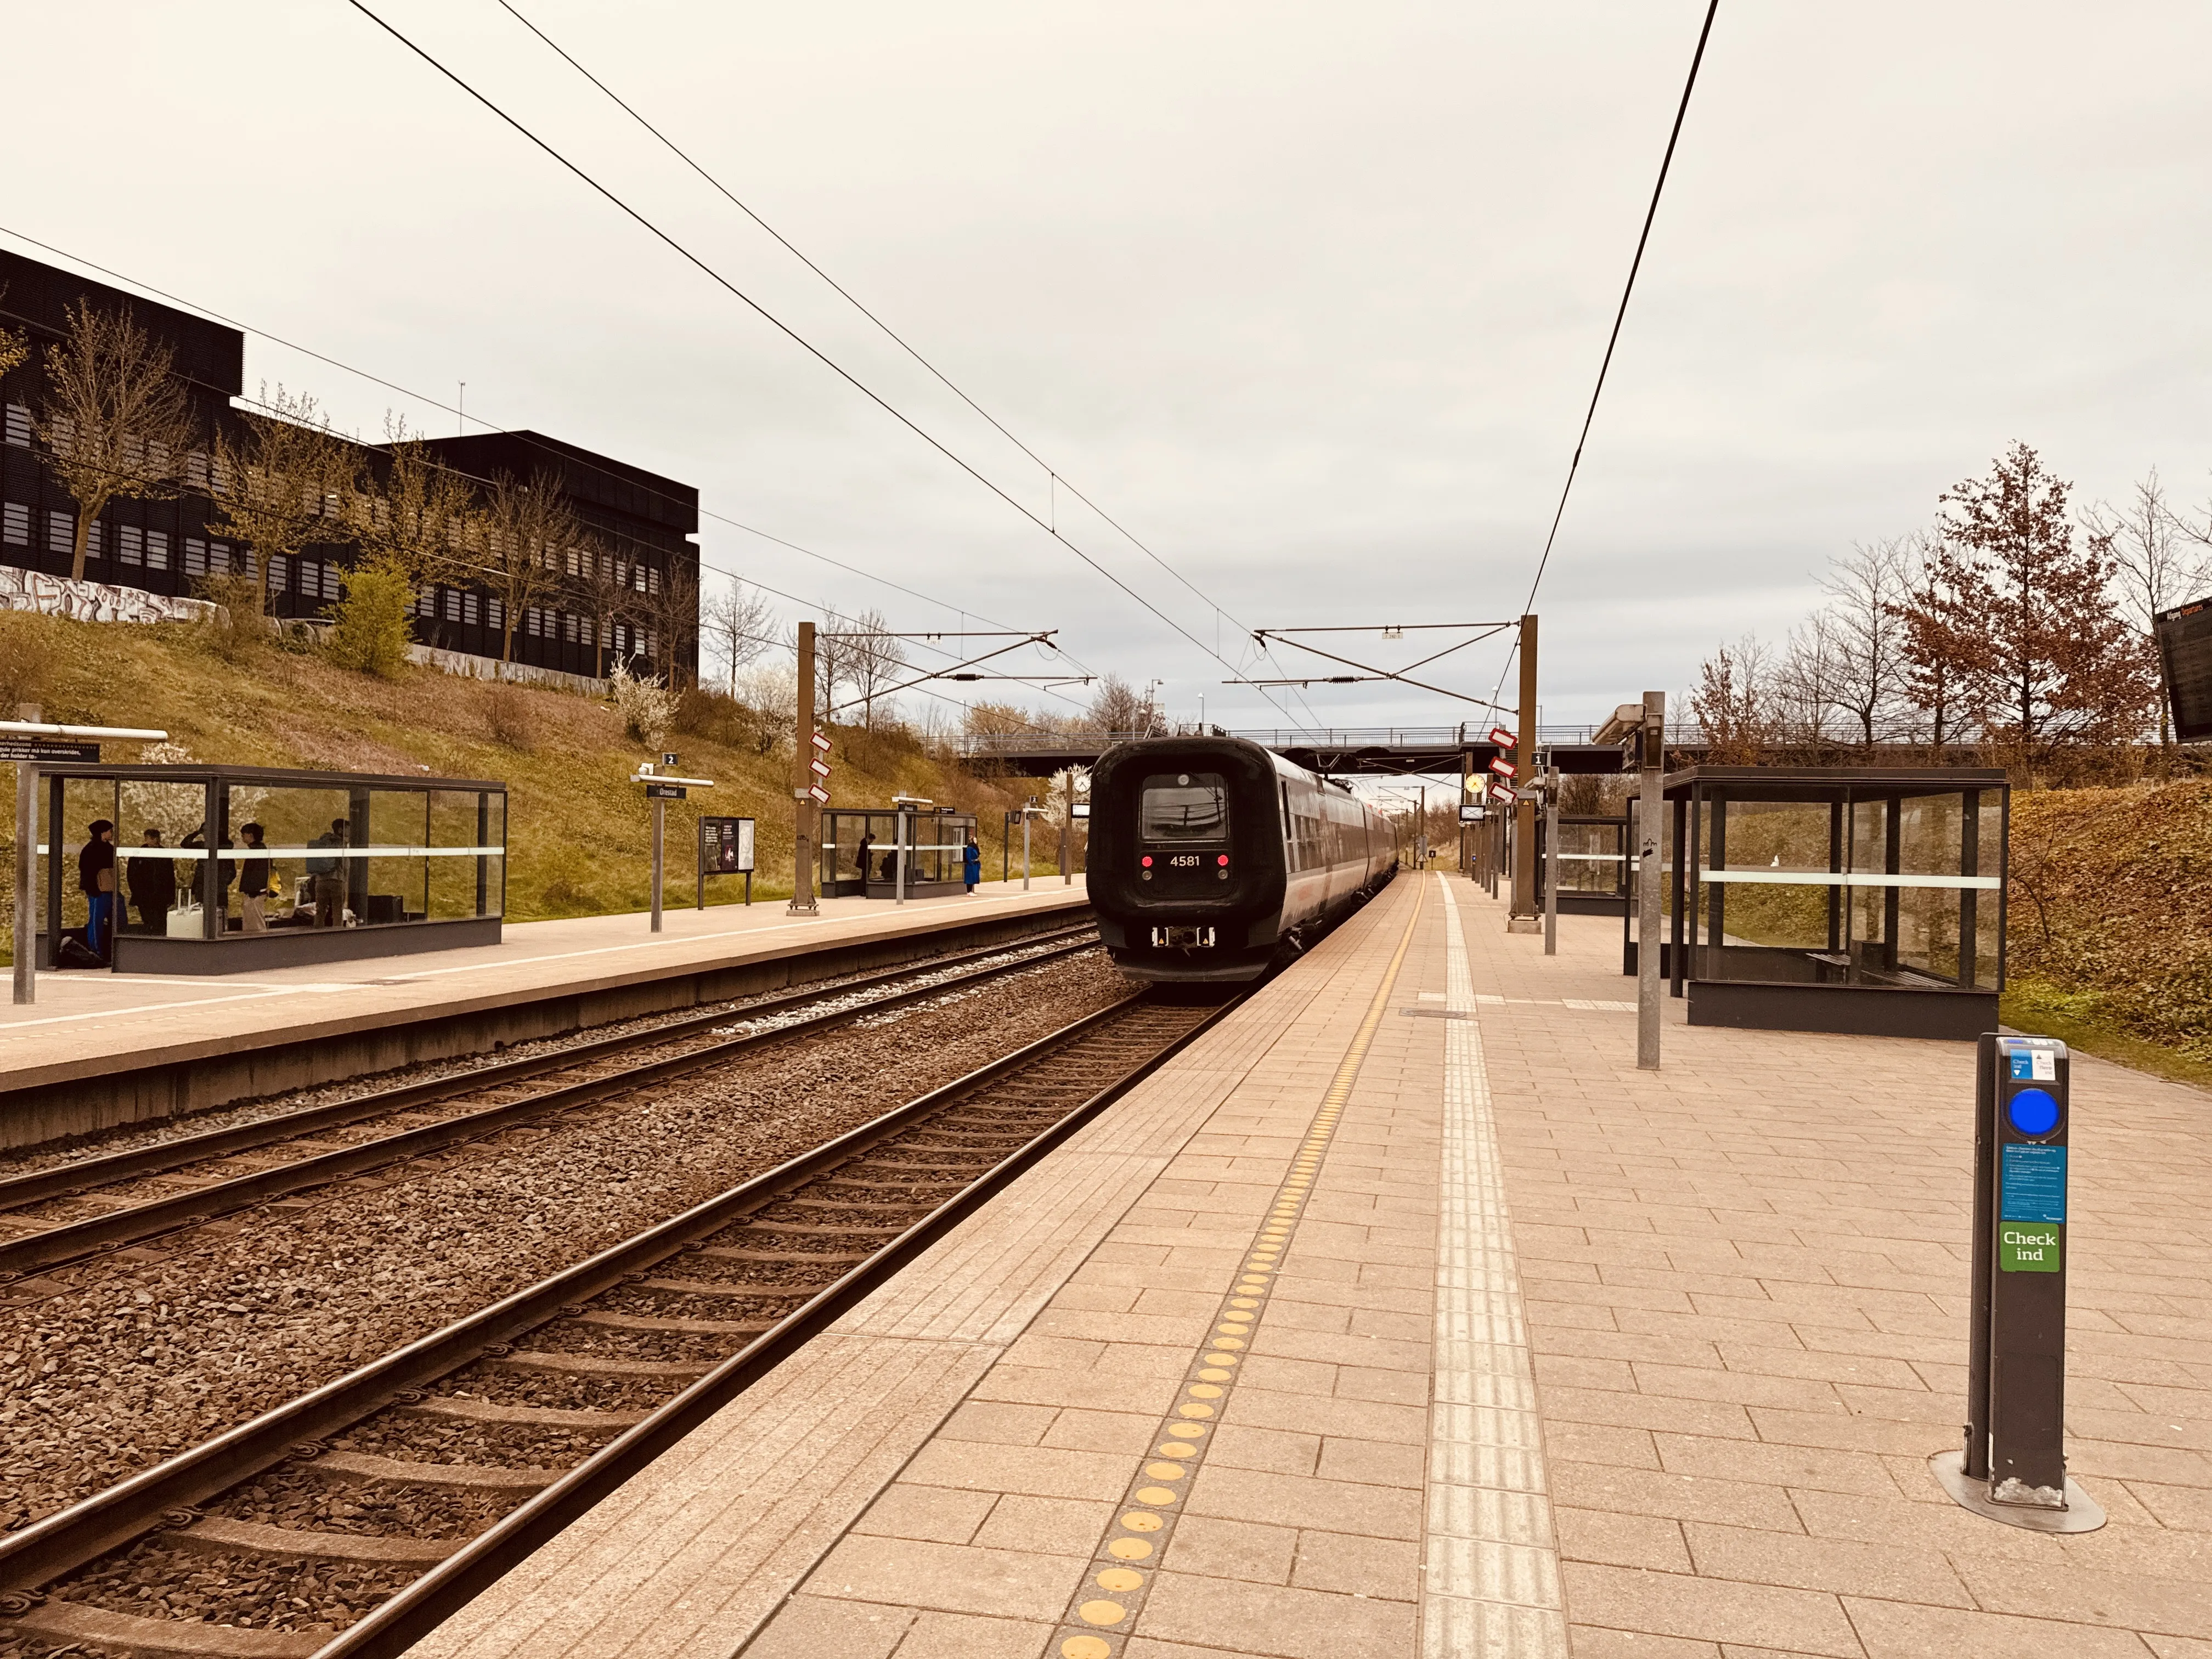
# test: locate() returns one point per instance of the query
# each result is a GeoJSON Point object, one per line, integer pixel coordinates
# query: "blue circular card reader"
{"type": "Point", "coordinates": [2033, 1111]}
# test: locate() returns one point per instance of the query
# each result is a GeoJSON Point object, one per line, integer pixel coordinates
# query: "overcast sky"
{"type": "Point", "coordinates": [1310, 298]}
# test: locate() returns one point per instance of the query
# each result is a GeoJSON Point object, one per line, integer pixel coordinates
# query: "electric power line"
{"type": "Point", "coordinates": [1620, 314]}
{"type": "Point", "coordinates": [782, 327]}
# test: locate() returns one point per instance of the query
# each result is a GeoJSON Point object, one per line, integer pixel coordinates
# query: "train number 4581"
{"type": "Point", "coordinates": [1185, 861]}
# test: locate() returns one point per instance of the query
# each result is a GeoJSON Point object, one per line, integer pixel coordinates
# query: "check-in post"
{"type": "Point", "coordinates": [2013, 1465]}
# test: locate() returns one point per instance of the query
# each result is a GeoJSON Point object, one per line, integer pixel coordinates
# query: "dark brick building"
{"type": "Point", "coordinates": [166, 546]}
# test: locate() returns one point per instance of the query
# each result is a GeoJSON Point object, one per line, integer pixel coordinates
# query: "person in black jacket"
{"type": "Point", "coordinates": [96, 876]}
{"type": "Point", "coordinates": [152, 883]}
{"type": "Point", "coordinates": [252, 884]}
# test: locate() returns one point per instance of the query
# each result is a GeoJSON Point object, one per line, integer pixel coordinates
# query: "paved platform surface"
{"type": "Point", "coordinates": [1402, 1315]}
{"type": "Point", "coordinates": [88, 1016]}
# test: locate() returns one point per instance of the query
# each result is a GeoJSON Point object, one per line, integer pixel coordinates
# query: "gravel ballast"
{"type": "Point", "coordinates": [140, 1360]}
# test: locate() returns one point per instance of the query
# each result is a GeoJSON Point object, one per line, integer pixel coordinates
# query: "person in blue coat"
{"type": "Point", "coordinates": [971, 862]}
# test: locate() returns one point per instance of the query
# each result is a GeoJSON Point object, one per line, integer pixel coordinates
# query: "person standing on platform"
{"type": "Point", "coordinates": [861, 858]}
{"type": "Point", "coordinates": [254, 884]}
{"type": "Point", "coordinates": [152, 883]}
{"type": "Point", "coordinates": [971, 862]}
{"type": "Point", "coordinates": [96, 876]}
{"type": "Point", "coordinates": [329, 875]}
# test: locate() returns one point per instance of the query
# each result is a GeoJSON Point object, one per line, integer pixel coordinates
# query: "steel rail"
{"type": "Point", "coordinates": [68, 1180]}
{"type": "Point", "coordinates": [71, 1538]}
{"type": "Point", "coordinates": [74, 1240]}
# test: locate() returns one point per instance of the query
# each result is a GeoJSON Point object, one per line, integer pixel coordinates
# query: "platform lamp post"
{"type": "Point", "coordinates": [26, 740]}
{"type": "Point", "coordinates": [660, 788]}
{"type": "Point", "coordinates": [1520, 917]}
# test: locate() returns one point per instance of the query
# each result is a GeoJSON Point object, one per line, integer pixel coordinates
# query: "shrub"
{"type": "Point", "coordinates": [509, 717]}
{"type": "Point", "coordinates": [647, 706]}
{"type": "Point", "coordinates": [372, 631]}
{"type": "Point", "coordinates": [235, 630]}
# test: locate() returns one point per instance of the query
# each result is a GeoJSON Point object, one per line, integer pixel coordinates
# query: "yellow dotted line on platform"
{"type": "Point", "coordinates": [1095, 1625]}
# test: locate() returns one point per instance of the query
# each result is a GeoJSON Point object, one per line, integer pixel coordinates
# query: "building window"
{"type": "Point", "coordinates": [19, 426]}
{"type": "Point", "coordinates": [131, 543]}
{"type": "Point", "coordinates": [219, 558]}
{"type": "Point", "coordinates": [469, 608]}
{"type": "Point", "coordinates": [61, 533]}
{"type": "Point", "coordinates": [494, 611]}
{"type": "Point", "coordinates": [157, 549]}
{"type": "Point", "coordinates": [330, 581]}
{"type": "Point", "coordinates": [652, 579]}
{"type": "Point", "coordinates": [276, 573]}
{"type": "Point", "coordinates": [196, 562]}
{"type": "Point", "coordinates": [15, 524]}
{"type": "Point", "coordinates": [568, 628]}
{"type": "Point", "coordinates": [195, 470]}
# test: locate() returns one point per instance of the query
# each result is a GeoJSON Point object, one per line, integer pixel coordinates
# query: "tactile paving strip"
{"type": "Point", "coordinates": [1104, 1611]}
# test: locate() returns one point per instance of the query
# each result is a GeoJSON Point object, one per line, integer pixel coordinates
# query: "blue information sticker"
{"type": "Point", "coordinates": [2023, 1065]}
{"type": "Point", "coordinates": [2033, 1179]}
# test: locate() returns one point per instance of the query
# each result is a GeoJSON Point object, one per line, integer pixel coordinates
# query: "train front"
{"type": "Point", "coordinates": [1186, 862]}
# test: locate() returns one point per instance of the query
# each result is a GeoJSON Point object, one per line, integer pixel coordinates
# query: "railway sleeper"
{"type": "Point", "coordinates": [63, 1623]}
{"type": "Point", "coordinates": [616, 1322]}
{"type": "Point", "coordinates": [733, 1288]}
{"type": "Point", "coordinates": [593, 1364]}
{"type": "Point", "coordinates": [789, 1258]}
{"type": "Point", "coordinates": [367, 1468]}
{"type": "Point", "coordinates": [219, 1534]}
{"type": "Point", "coordinates": [493, 1411]}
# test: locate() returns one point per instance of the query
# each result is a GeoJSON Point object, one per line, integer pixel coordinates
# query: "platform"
{"type": "Point", "coordinates": [1402, 1315]}
{"type": "Point", "coordinates": [100, 1048]}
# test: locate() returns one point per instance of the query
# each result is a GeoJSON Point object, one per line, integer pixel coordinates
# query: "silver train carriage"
{"type": "Point", "coordinates": [1209, 856]}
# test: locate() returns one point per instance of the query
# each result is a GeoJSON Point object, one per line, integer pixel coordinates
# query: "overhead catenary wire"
{"type": "Point", "coordinates": [1055, 479]}
{"type": "Point", "coordinates": [670, 241]}
{"type": "Point", "coordinates": [1620, 315]}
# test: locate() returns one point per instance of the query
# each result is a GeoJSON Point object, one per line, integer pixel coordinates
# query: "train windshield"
{"type": "Point", "coordinates": [1185, 807]}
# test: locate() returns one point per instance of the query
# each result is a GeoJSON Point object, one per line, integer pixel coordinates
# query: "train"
{"type": "Point", "coordinates": [1212, 857]}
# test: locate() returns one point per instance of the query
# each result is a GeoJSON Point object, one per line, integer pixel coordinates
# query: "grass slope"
{"type": "Point", "coordinates": [580, 835]}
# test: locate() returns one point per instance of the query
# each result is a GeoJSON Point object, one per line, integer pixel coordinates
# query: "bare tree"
{"type": "Point", "coordinates": [874, 658]}
{"type": "Point", "coordinates": [1120, 707]}
{"type": "Point", "coordinates": [669, 607]}
{"type": "Point", "coordinates": [833, 660]}
{"type": "Point", "coordinates": [736, 623]}
{"type": "Point", "coordinates": [521, 548]}
{"type": "Point", "coordinates": [286, 483]}
{"type": "Point", "coordinates": [115, 421]}
{"type": "Point", "coordinates": [1731, 701]}
{"type": "Point", "coordinates": [600, 587]}
{"type": "Point", "coordinates": [417, 522]}
{"type": "Point", "coordinates": [1866, 588]}
{"type": "Point", "coordinates": [2157, 556]}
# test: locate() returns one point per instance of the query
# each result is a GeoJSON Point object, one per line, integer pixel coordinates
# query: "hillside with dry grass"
{"type": "Point", "coordinates": [580, 835]}
{"type": "Point", "coordinates": [2110, 927]}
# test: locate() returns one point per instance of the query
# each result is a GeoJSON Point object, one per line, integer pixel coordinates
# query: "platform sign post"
{"type": "Point", "coordinates": [2013, 1465]}
{"type": "Point", "coordinates": [806, 795]}
{"type": "Point", "coordinates": [661, 788]}
{"type": "Point", "coordinates": [1650, 814]}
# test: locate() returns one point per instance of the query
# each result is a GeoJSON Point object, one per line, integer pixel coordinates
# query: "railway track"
{"type": "Point", "coordinates": [358, 1516]}
{"type": "Point", "coordinates": [89, 1207]}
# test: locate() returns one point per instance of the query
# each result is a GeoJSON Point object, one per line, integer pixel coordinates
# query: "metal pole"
{"type": "Point", "coordinates": [659, 823]}
{"type": "Point", "coordinates": [802, 861]}
{"type": "Point", "coordinates": [1025, 850]}
{"type": "Point", "coordinates": [27, 864]}
{"type": "Point", "coordinates": [1551, 868]}
{"type": "Point", "coordinates": [898, 855]}
{"type": "Point", "coordinates": [699, 859]}
{"type": "Point", "coordinates": [1524, 812]}
{"type": "Point", "coordinates": [1650, 814]}
{"type": "Point", "coordinates": [1067, 831]}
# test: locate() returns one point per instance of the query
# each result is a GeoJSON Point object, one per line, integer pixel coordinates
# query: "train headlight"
{"type": "Point", "coordinates": [1146, 861]}
{"type": "Point", "coordinates": [1223, 859]}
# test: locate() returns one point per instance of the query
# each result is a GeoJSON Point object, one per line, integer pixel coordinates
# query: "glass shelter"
{"type": "Point", "coordinates": [1593, 865]}
{"type": "Point", "coordinates": [224, 869]}
{"type": "Point", "coordinates": [1856, 899]}
{"type": "Point", "coordinates": [860, 850]}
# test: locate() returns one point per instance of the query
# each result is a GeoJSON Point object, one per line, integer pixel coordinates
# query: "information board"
{"type": "Point", "coordinates": [2185, 658]}
{"type": "Point", "coordinates": [725, 846]}
{"type": "Point", "coordinates": [45, 750]}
